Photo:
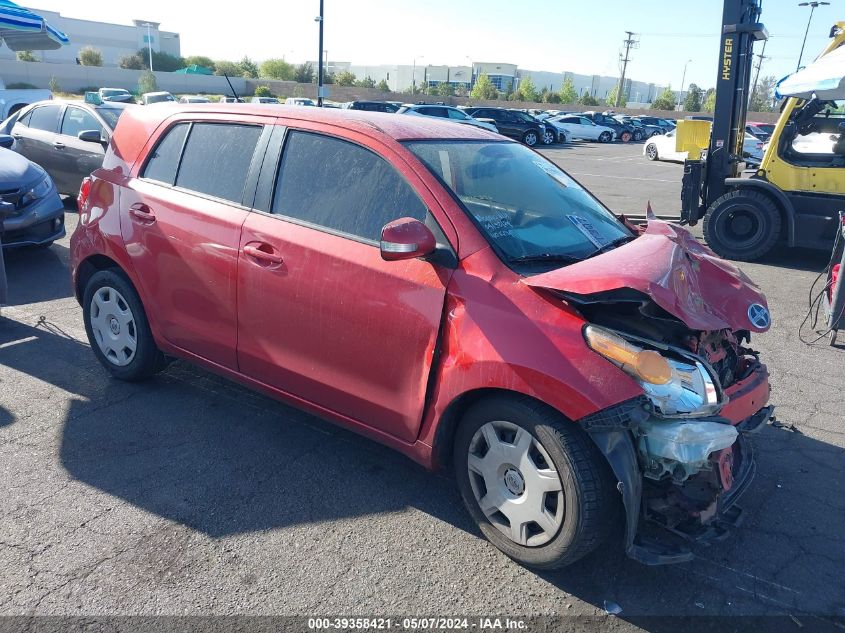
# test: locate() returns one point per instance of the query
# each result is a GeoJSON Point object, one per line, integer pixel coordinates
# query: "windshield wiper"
{"type": "Point", "coordinates": [619, 241]}
{"type": "Point", "coordinates": [544, 257]}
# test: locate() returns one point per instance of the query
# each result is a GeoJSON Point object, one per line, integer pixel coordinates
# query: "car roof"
{"type": "Point", "coordinates": [377, 125]}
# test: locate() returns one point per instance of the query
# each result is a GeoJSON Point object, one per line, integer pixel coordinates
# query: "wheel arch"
{"type": "Point", "coordinates": [89, 267]}
{"type": "Point", "coordinates": [778, 197]}
{"type": "Point", "coordinates": [457, 408]}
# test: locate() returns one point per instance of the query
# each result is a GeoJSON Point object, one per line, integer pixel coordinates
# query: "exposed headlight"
{"type": "Point", "coordinates": [676, 388]}
{"type": "Point", "coordinates": [38, 191]}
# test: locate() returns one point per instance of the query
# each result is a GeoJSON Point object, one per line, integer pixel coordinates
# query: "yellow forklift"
{"type": "Point", "coordinates": [794, 197]}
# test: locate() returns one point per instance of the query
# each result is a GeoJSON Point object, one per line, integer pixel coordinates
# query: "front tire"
{"type": "Point", "coordinates": [530, 138]}
{"type": "Point", "coordinates": [651, 152]}
{"type": "Point", "coordinates": [638, 135]}
{"type": "Point", "coordinates": [742, 225]}
{"type": "Point", "coordinates": [625, 137]}
{"type": "Point", "coordinates": [548, 137]}
{"type": "Point", "coordinates": [605, 137]}
{"type": "Point", "coordinates": [117, 327]}
{"type": "Point", "coordinates": [535, 484]}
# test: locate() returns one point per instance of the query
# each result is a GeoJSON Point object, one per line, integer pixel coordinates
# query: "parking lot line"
{"type": "Point", "coordinates": [27, 339]}
{"type": "Point", "coordinates": [581, 173]}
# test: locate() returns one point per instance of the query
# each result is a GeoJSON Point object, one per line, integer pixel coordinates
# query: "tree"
{"type": "Point", "coordinates": [163, 62]}
{"type": "Point", "coordinates": [147, 82]}
{"type": "Point", "coordinates": [692, 102]}
{"type": "Point", "coordinates": [277, 69]}
{"type": "Point", "coordinates": [344, 78]}
{"type": "Point", "coordinates": [304, 73]}
{"type": "Point", "coordinates": [552, 97]}
{"type": "Point", "coordinates": [248, 68]}
{"type": "Point", "coordinates": [567, 93]}
{"type": "Point", "coordinates": [132, 62]}
{"type": "Point", "coordinates": [382, 85]}
{"type": "Point", "coordinates": [526, 90]}
{"type": "Point", "coordinates": [610, 99]}
{"type": "Point", "coordinates": [26, 56]}
{"type": "Point", "coordinates": [430, 89]}
{"type": "Point", "coordinates": [229, 69]}
{"type": "Point", "coordinates": [665, 100]}
{"type": "Point", "coordinates": [445, 89]}
{"type": "Point", "coordinates": [484, 89]}
{"type": "Point", "coordinates": [90, 56]}
{"type": "Point", "coordinates": [366, 82]}
{"type": "Point", "coordinates": [200, 60]}
{"type": "Point", "coordinates": [761, 98]}
{"type": "Point", "coordinates": [263, 91]}
{"type": "Point", "coordinates": [709, 100]}
{"type": "Point", "coordinates": [588, 100]}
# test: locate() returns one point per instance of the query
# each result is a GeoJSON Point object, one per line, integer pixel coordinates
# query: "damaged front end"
{"type": "Point", "coordinates": [677, 320]}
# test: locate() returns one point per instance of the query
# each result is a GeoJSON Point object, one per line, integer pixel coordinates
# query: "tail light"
{"type": "Point", "coordinates": [84, 194]}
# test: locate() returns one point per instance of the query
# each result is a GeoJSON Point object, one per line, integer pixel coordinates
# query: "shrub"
{"type": "Point", "coordinates": [263, 91]}
{"type": "Point", "coordinates": [54, 85]}
{"type": "Point", "coordinates": [90, 56]}
{"type": "Point", "coordinates": [147, 82]}
{"type": "Point", "coordinates": [26, 56]}
{"type": "Point", "coordinates": [20, 85]}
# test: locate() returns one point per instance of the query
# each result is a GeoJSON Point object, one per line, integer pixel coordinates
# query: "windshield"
{"type": "Point", "coordinates": [522, 116]}
{"type": "Point", "coordinates": [110, 115]}
{"type": "Point", "coordinates": [526, 206]}
{"type": "Point", "coordinates": [114, 92]}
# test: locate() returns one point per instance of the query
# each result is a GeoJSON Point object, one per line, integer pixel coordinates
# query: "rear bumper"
{"type": "Point", "coordinates": [661, 514]}
{"type": "Point", "coordinates": [40, 223]}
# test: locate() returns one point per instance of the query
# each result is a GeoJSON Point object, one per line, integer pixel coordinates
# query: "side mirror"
{"type": "Point", "coordinates": [406, 238]}
{"type": "Point", "coordinates": [7, 141]}
{"type": "Point", "coordinates": [91, 136]}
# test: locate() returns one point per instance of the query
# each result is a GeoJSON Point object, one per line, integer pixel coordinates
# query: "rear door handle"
{"type": "Point", "coordinates": [58, 145]}
{"type": "Point", "coordinates": [256, 253]}
{"type": "Point", "coordinates": [142, 212]}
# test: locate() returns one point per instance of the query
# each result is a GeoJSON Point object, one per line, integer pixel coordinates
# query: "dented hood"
{"type": "Point", "coordinates": [682, 276]}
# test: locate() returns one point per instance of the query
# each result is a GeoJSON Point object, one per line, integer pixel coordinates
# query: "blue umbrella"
{"type": "Point", "coordinates": [23, 30]}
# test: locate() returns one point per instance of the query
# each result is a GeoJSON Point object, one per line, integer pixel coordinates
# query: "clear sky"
{"type": "Point", "coordinates": [582, 36]}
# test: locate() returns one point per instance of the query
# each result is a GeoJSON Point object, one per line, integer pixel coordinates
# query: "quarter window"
{"type": "Point", "coordinates": [341, 186]}
{"type": "Point", "coordinates": [164, 159]}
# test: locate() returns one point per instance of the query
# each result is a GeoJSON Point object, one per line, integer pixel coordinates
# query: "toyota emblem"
{"type": "Point", "coordinates": [759, 316]}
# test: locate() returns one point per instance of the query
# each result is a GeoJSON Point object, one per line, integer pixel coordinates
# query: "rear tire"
{"type": "Point", "coordinates": [742, 225]}
{"type": "Point", "coordinates": [530, 138]}
{"type": "Point", "coordinates": [651, 152]}
{"type": "Point", "coordinates": [576, 510]}
{"type": "Point", "coordinates": [548, 137]}
{"type": "Point", "coordinates": [625, 137]}
{"type": "Point", "coordinates": [127, 348]}
{"type": "Point", "coordinates": [605, 137]}
{"type": "Point", "coordinates": [638, 135]}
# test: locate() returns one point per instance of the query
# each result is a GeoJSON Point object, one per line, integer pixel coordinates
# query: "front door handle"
{"type": "Point", "coordinates": [58, 145]}
{"type": "Point", "coordinates": [142, 212]}
{"type": "Point", "coordinates": [263, 256]}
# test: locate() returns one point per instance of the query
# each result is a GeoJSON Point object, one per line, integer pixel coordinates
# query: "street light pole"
{"type": "Point", "coordinates": [319, 19]}
{"type": "Point", "coordinates": [812, 6]}
{"type": "Point", "coordinates": [683, 79]}
{"type": "Point", "coordinates": [414, 74]}
{"type": "Point", "coordinates": [150, 44]}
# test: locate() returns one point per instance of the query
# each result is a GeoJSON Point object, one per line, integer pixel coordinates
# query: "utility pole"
{"type": "Point", "coordinates": [319, 19]}
{"type": "Point", "coordinates": [629, 42]}
{"type": "Point", "coordinates": [760, 59]}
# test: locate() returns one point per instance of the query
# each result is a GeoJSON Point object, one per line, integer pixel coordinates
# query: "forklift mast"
{"type": "Point", "coordinates": [704, 180]}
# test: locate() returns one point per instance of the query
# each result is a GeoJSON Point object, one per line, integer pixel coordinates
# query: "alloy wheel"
{"type": "Point", "coordinates": [113, 325]}
{"type": "Point", "coordinates": [651, 151]}
{"type": "Point", "coordinates": [530, 139]}
{"type": "Point", "coordinates": [515, 483]}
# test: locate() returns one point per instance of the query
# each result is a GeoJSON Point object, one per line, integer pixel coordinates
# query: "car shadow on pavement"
{"type": "Point", "coordinates": [196, 449]}
{"type": "Point", "coordinates": [37, 274]}
{"type": "Point", "coordinates": [802, 259]}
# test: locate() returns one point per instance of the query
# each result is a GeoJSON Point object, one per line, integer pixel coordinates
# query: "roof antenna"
{"type": "Point", "coordinates": [234, 94]}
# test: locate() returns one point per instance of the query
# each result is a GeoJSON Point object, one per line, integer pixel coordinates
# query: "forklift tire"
{"type": "Point", "coordinates": [742, 225]}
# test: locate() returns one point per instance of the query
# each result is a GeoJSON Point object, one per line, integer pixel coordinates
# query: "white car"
{"type": "Point", "coordinates": [194, 99]}
{"type": "Point", "coordinates": [446, 112]}
{"type": "Point", "coordinates": [662, 147]}
{"type": "Point", "coordinates": [581, 127]}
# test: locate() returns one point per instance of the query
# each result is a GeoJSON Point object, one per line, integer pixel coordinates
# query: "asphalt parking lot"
{"type": "Point", "coordinates": [191, 495]}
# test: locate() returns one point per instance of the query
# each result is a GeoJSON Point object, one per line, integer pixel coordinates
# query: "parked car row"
{"type": "Point", "coordinates": [663, 148]}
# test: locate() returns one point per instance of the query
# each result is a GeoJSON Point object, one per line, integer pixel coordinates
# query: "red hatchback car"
{"type": "Point", "coordinates": [447, 292]}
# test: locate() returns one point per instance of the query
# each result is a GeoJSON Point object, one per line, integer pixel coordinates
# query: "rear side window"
{"type": "Point", "coordinates": [164, 159]}
{"type": "Point", "coordinates": [341, 186]}
{"type": "Point", "coordinates": [216, 159]}
{"type": "Point", "coordinates": [45, 118]}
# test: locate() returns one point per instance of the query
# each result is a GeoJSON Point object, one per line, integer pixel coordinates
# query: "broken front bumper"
{"type": "Point", "coordinates": [664, 508]}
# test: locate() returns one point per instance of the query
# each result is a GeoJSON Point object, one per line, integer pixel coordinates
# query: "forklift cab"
{"type": "Point", "coordinates": [796, 194]}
